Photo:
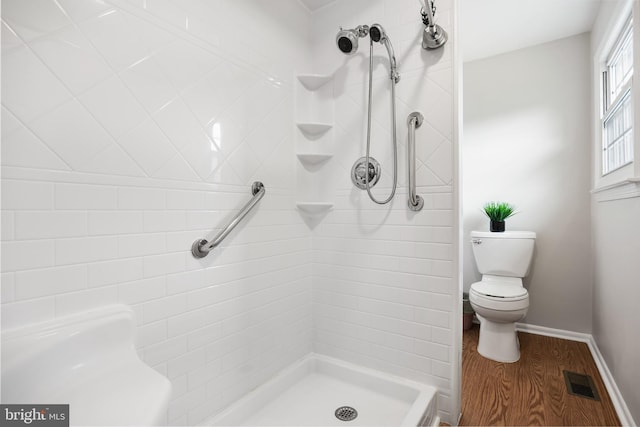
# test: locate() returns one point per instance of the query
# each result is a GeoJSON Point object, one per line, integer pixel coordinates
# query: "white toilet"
{"type": "Point", "coordinates": [499, 299]}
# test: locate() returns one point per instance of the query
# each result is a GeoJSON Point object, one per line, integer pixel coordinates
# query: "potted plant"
{"type": "Point", "coordinates": [497, 213]}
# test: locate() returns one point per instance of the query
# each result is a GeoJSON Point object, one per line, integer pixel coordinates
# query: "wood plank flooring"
{"type": "Point", "coordinates": [531, 391]}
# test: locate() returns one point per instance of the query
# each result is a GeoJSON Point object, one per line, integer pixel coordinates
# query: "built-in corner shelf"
{"type": "Point", "coordinates": [314, 82]}
{"type": "Point", "coordinates": [314, 144]}
{"type": "Point", "coordinates": [314, 128]}
{"type": "Point", "coordinates": [314, 208]}
{"type": "Point", "coordinates": [313, 158]}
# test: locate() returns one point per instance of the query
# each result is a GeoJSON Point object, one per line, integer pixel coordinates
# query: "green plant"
{"type": "Point", "coordinates": [499, 211]}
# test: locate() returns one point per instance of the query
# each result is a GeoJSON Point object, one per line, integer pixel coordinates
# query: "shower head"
{"type": "Point", "coordinates": [347, 40]}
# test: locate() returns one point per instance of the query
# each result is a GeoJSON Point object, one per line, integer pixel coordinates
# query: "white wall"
{"type": "Point", "coordinates": [616, 242]}
{"type": "Point", "coordinates": [616, 239]}
{"type": "Point", "coordinates": [127, 133]}
{"type": "Point", "coordinates": [385, 280]}
{"type": "Point", "coordinates": [526, 133]}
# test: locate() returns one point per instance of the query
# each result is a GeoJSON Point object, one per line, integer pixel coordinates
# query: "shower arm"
{"type": "Point", "coordinates": [361, 31]}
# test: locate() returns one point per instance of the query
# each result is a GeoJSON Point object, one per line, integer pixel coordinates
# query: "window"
{"type": "Point", "coordinates": [617, 115]}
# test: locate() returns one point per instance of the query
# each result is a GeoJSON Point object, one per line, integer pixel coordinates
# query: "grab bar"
{"type": "Point", "coordinates": [201, 247]}
{"type": "Point", "coordinates": [414, 121]}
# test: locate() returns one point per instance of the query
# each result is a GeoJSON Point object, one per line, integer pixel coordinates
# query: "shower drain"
{"type": "Point", "coordinates": [346, 413]}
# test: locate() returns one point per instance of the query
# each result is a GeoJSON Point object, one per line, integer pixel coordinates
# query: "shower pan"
{"type": "Point", "coordinates": [323, 391]}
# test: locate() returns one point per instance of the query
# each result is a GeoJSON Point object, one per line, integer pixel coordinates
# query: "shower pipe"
{"type": "Point", "coordinates": [201, 247]}
{"type": "Point", "coordinates": [414, 121]}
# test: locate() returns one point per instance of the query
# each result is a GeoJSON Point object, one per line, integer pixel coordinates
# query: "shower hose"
{"type": "Point", "coordinates": [393, 129]}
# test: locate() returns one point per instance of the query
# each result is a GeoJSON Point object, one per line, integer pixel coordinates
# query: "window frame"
{"type": "Point", "coordinates": [623, 182]}
{"type": "Point", "coordinates": [612, 103]}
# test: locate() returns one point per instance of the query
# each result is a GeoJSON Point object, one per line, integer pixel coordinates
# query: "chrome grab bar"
{"type": "Point", "coordinates": [414, 121]}
{"type": "Point", "coordinates": [201, 247]}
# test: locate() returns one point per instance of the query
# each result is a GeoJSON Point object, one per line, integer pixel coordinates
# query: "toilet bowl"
{"type": "Point", "coordinates": [498, 316]}
{"type": "Point", "coordinates": [499, 299]}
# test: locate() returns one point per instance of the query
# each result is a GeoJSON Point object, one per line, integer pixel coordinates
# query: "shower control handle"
{"type": "Point", "coordinates": [359, 173]}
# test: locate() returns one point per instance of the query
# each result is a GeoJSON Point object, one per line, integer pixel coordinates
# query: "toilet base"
{"type": "Point", "coordinates": [498, 341]}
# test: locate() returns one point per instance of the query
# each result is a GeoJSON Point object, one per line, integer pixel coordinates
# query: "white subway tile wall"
{"type": "Point", "coordinates": [132, 128]}
{"type": "Point", "coordinates": [126, 136]}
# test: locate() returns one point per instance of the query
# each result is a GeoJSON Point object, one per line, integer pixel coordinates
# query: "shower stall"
{"type": "Point", "coordinates": [132, 129]}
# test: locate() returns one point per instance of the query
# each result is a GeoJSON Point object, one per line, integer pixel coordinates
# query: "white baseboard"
{"type": "Point", "coordinates": [614, 392]}
{"type": "Point", "coordinates": [556, 333]}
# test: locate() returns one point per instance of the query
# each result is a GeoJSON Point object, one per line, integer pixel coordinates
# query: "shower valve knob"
{"type": "Point", "coordinates": [359, 173]}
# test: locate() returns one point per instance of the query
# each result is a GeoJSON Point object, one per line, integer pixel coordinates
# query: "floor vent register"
{"type": "Point", "coordinates": [580, 385]}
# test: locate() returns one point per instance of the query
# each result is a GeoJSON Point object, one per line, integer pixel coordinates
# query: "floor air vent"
{"type": "Point", "coordinates": [580, 385]}
{"type": "Point", "coordinates": [346, 413]}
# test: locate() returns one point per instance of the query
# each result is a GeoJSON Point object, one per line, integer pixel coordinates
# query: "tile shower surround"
{"type": "Point", "coordinates": [125, 136]}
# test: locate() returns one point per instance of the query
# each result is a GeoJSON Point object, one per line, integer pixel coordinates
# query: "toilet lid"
{"type": "Point", "coordinates": [496, 289]}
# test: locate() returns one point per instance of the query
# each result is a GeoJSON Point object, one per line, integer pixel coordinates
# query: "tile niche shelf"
{"type": "Point", "coordinates": [313, 158]}
{"type": "Point", "coordinates": [314, 82]}
{"type": "Point", "coordinates": [314, 128]}
{"type": "Point", "coordinates": [315, 116]}
{"type": "Point", "coordinates": [314, 208]}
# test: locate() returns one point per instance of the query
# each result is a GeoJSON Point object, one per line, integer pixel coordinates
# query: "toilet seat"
{"type": "Point", "coordinates": [499, 296]}
{"type": "Point", "coordinates": [495, 289]}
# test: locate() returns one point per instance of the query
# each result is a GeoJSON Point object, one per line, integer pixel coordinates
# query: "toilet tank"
{"type": "Point", "coordinates": [503, 254]}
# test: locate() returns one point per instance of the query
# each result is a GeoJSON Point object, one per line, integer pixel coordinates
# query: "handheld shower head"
{"type": "Point", "coordinates": [376, 32]}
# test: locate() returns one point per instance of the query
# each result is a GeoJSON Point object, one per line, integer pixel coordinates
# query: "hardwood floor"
{"type": "Point", "coordinates": [531, 391]}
